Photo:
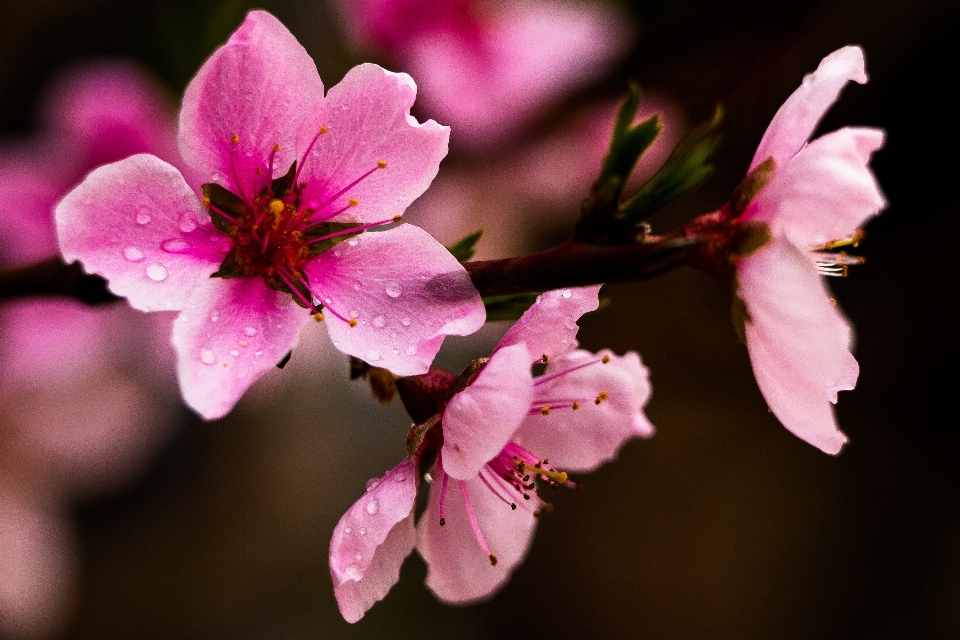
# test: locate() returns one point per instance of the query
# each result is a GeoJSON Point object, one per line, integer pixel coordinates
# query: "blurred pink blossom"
{"type": "Point", "coordinates": [488, 67]}
{"type": "Point", "coordinates": [501, 434]}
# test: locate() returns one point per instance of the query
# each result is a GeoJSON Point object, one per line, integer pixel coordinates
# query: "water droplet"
{"type": "Point", "coordinates": [373, 506]}
{"type": "Point", "coordinates": [362, 531]}
{"type": "Point", "coordinates": [234, 352]}
{"type": "Point", "coordinates": [243, 343]}
{"type": "Point", "coordinates": [143, 217]}
{"type": "Point", "coordinates": [188, 222]}
{"type": "Point", "coordinates": [373, 483]}
{"type": "Point", "coordinates": [258, 353]}
{"type": "Point", "coordinates": [359, 555]}
{"type": "Point", "coordinates": [348, 529]}
{"type": "Point", "coordinates": [395, 351]}
{"type": "Point", "coordinates": [214, 316]}
{"type": "Point", "coordinates": [400, 477]}
{"type": "Point", "coordinates": [250, 331]}
{"type": "Point", "coordinates": [411, 350]}
{"type": "Point", "coordinates": [353, 572]}
{"type": "Point", "coordinates": [353, 242]}
{"type": "Point", "coordinates": [157, 272]}
{"type": "Point", "coordinates": [353, 314]}
{"type": "Point", "coordinates": [406, 322]}
{"type": "Point", "coordinates": [379, 322]}
{"type": "Point", "coordinates": [175, 245]}
{"type": "Point", "coordinates": [393, 288]}
{"type": "Point", "coordinates": [567, 293]}
{"type": "Point", "coordinates": [133, 254]}
{"type": "Point", "coordinates": [326, 301]}
{"type": "Point", "coordinates": [373, 355]}
{"type": "Point", "coordinates": [207, 356]}
{"type": "Point", "coordinates": [428, 478]}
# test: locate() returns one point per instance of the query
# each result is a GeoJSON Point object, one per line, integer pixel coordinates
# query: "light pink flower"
{"type": "Point", "coordinates": [496, 438]}
{"type": "Point", "coordinates": [819, 196]}
{"type": "Point", "coordinates": [487, 67]}
{"type": "Point", "coordinates": [255, 115]}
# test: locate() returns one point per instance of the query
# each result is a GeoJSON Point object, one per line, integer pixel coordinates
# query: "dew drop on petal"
{"type": "Point", "coordinates": [353, 242]}
{"type": "Point", "coordinates": [234, 352]}
{"type": "Point", "coordinates": [348, 529]}
{"type": "Point", "coordinates": [395, 352]}
{"type": "Point", "coordinates": [175, 245]}
{"type": "Point", "coordinates": [143, 217]}
{"type": "Point", "coordinates": [373, 507]}
{"type": "Point", "coordinates": [400, 477]}
{"type": "Point", "coordinates": [411, 350]}
{"type": "Point", "coordinates": [406, 322]}
{"type": "Point", "coordinates": [133, 254]}
{"type": "Point", "coordinates": [207, 356]}
{"type": "Point", "coordinates": [373, 355]}
{"type": "Point", "coordinates": [373, 483]}
{"type": "Point", "coordinates": [214, 316]}
{"type": "Point", "coordinates": [188, 222]}
{"type": "Point", "coordinates": [362, 531]}
{"type": "Point", "coordinates": [258, 353]}
{"type": "Point", "coordinates": [157, 272]}
{"type": "Point", "coordinates": [393, 288]}
{"type": "Point", "coordinates": [567, 293]}
{"type": "Point", "coordinates": [250, 331]}
{"type": "Point", "coordinates": [359, 555]}
{"type": "Point", "coordinates": [353, 572]}
{"type": "Point", "coordinates": [379, 322]}
{"type": "Point", "coordinates": [353, 314]}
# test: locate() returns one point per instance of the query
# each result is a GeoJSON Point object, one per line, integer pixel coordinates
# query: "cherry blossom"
{"type": "Point", "coordinates": [291, 179]}
{"type": "Point", "coordinates": [498, 437]}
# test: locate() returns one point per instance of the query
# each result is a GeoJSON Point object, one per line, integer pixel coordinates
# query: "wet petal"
{"type": "Point", "coordinates": [139, 225]}
{"type": "Point", "coordinates": [549, 327]}
{"type": "Point", "coordinates": [585, 438]}
{"type": "Point", "coordinates": [229, 334]}
{"type": "Point", "coordinates": [372, 540]}
{"type": "Point", "coordinates": [259, 87]}
{"type": "Point", "coordinates": [367, 120]}
{"type": "Point", "coordinates": [405, 292]}
{"type": "Point", "coordinates": [796, 120]}
{"type": "Point", "coordinates": [480, 420]}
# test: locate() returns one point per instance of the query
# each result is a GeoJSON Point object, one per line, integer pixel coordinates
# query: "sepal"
{"type": "Point", "coordinates": [219, 198]}
{"type": "Point", "coordinates": [465, 248]}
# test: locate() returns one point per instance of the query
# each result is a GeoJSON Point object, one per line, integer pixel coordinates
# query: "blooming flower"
{"type": "Point", "coordinates": [500, 432]}
{"type": "Point", "coordinates": [489, 67]}
{"type": "Point", "coordinates": [289, 174]}
{"type": "Point", "coordinates": [813, 198]}
{"type": "Point", "coordinates": [82, 404]}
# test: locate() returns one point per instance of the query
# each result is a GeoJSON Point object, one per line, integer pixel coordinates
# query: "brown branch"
{"type": "Point", "coordinates": [53, 277]}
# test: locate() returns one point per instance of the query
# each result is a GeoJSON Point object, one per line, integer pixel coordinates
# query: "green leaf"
{"type": "Point", "coordinates": [229, 268]}
{"type": "Point", "coordinates": [327, 228]}
{"type": "Point", "coordinates": [686, 168]}
{"type": "Point", "coordinates": [281, 186]}
{"type": "Point", "coordinates": [224, 200]}
{"type": "Point", "coordinates": [465, 248]}
{"type": "Point", "coordinates": [508, 307]}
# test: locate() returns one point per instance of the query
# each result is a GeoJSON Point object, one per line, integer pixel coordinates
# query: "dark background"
{"type": "Point", "coordinates": [723, 525]}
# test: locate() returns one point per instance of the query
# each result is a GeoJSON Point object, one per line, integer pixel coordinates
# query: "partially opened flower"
{"type": "Point", "coordinates": [497, 434]}
{"type": "Point", "coordinates": [800, 203]}
{"type": "Point", "coordinates": [289, 173]}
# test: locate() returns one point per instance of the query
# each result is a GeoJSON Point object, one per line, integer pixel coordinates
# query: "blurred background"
{"type": "Point", "coordinates": [721, 526]}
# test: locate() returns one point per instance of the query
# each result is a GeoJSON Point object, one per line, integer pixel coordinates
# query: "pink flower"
{"type": "Point", "coordinates": [489, 67]}
{"type": "Point", "coordinates": [818, 197]}
{"type": "Point", "coordinates": [491, 443]}
{"type": "Point", "coordinates": [290, 174]}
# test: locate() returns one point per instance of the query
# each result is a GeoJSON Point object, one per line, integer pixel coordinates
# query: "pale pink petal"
{"type": "Point", "coordinates": [826, 192]}
{"type": "Point", "coordinates": [583, 439]}
{"type": "Point", "coordinates": [798, 345]}
{"type": "Point", "coordinates": [372, 540]}
{"type": "Point", "coordinates": [259, 87]}
{"type": "Point", "coordinates": [138, 224]}
{"type": "Point", "coordinates": [458, 570]}
{"type": "Point", "coordinates": [480, 420]}
{"type": "Point", "coordinates": [797, 118]}
{"type": "Point", "coordinates": [405, 292]}
{"type": "Point", "coordinates": [549, 327]}
{"type": "Point", "coordinates": [229, 334]}
{"type": "Point", "coordinates": [367, 121]}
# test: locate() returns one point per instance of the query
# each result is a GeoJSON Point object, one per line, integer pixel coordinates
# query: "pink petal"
{"type": "Point", "coordinates": [138, 224]}
{"type": "Point", "coordinates": [796, 120]}
{"type": "Point", "coordinates": [826, 192]}
{"type": "Point", "coordinates": [372, 540]}
{"type": "Point", "coordinates": [458, 570]}
{"type": "Point", "coordinates": [26, 216]}
{"type": "Point", "coordinates": [229, 334]}
{"type": "Point", "coordinates": [405, 291]}
{"type": "Point", "coordinates": [259, 86]}
{"type": "Point", "coordinates": [367, 119]}
{"type": "Point", "coordinates": [798, 345]}
{"type": "Point", "coordinates": [584, 439]}
{"type": "Point", "coordinates": [549, 327]}
{"type": "Point", "coordinates": [480, 420]}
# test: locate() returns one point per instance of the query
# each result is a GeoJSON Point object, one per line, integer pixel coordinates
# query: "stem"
{"type": "Point", "coordinates": [55, 278]}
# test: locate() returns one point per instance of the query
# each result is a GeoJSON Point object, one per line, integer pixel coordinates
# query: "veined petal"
{"type": "Point", "coordinates": [366, 119]}
{"type": "Point", "coordinates": [480, 420]}
{"type": "Point", "coordinates": [797, 118]}
{"type": "Point", "coordinates": [229, 334]}
{"type": "Point", "coordinates": [372, 540]}
{"type": "Point", "coordinates": [585, 438]}
{"type": "Point", "coordinates": [403, 291]}
{"type": "Point", "coordinates": [826, 192]}
{"type": "Point", "coordinates": [458, 570]}
{"type": "Point", "coordinates": [259, 87]}
{"type": "Point", "coordinates": [798, 345]}
{"type": "Point", "coordinates": [549, 327]}
{"type": "Point", "coordinates": [139, 225]}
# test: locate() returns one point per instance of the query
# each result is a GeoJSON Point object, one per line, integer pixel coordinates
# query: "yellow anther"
{"type": "Point", "coordinates": [600, 398]}
{"type": "Point", "coordinates": [545, 411]}
{"type": "Point", "coordinates": [397, 218]}
{"type": "Point", "coordinates": [276, 206]}
{"type": "Point", "coordinates": [353, 322]}
{"type": "Point", "coordinates": [560, 477]}
{"type": "Point", "coordinates": [576, 405]}
{"type": "Point", "coordinates": [323, 130]}
{"type": "Point", "coordinates": [833, 301]}
{"type": "Point", "coordinates": [353, 202]}
{"type": "Point", "coordinates": [205, 201]}
{"type": "Point", "coordinates": [382, 164]}
{"type": "Point", "coordinates": [259, 170]}
{"type": "Point", "coordinates": [443, 521]}
{"type": "Point", "coordinates": [545, 358]}
{"type": "Point", "coordinates": [235, 139]}
{"type": "Point", "coordinates": [493, 560]}
{"type": "Point", "coordinates": [276, 148]}
{"type": "Point", "coordinates": [318, 317]}
{"type": "Point", "coordinates": [605, 359]}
